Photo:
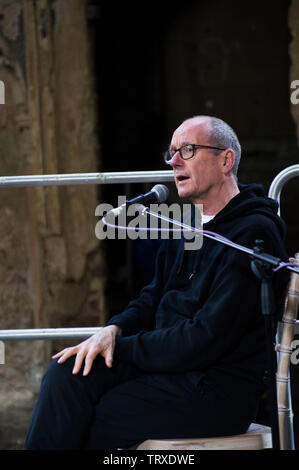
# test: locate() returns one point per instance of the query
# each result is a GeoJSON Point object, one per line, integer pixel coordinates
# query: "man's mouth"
{"type": "Point", "coordinates": [181, 178]}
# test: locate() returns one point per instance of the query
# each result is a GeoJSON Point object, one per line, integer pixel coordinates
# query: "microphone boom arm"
{"type": "Point", "coordinates": [256, 254]}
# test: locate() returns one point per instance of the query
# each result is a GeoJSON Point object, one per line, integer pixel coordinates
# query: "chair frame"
{"type": "Point", "coordinates": [285, 335]}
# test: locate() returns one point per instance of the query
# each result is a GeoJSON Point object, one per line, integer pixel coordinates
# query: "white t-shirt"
{"type": "Point", "coordinates": [206, 218]}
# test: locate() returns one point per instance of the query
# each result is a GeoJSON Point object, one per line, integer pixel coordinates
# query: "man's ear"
{"type": "Point", "coordinates": [228, 161]}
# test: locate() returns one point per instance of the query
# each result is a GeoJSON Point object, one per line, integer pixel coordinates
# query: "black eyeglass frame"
{"type": "Point", "coordinates": [194, 146]}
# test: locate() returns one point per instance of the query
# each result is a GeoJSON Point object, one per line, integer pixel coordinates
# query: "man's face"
{"type": "Point", "coordinates": [198, 178]}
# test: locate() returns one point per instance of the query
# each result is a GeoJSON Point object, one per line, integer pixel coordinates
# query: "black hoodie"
{"type": "Point", "coordinates": [202, 310]}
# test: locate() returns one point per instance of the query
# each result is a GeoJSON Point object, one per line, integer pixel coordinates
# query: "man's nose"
{"type": "Point", "coordinates": [176, 159]}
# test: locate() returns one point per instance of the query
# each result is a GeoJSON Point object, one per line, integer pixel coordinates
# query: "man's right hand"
{"type": "Point", "coordinates": [102, 342]}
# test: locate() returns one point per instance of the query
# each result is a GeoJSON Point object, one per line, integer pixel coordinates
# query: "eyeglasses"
{"type": "Point", "coordinates": [186, 151]}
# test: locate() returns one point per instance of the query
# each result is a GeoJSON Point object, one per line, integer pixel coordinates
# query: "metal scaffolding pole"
{"type": "Point", "coordinates": [119, 177]}
{"type": "Point", "coordinates": [104, 178]}
{"type": "Point", "coordinates": [279, 181]}
{"type": "Point", "coordinates": [274, 192]}
{"type": "Point", "coordinates": [47, 333]}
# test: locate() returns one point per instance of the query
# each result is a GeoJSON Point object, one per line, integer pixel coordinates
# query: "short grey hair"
{"type": "Point", "coordinates": [223, 136]}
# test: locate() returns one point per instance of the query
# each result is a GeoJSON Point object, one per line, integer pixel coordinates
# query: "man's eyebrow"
{"type": "Point", "coordinates": [184, 143]}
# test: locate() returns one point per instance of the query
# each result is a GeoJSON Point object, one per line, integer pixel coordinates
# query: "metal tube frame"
{"type": "Point", "coordinates": [118, 178]}
{"type": "Point", "coordinates": [104, 178]}
{"type": "Point", "coordinates": [279, 181]}
{"type": "Point", "coordinates": [274, 192]}
{"type": "Point", "coordinates": [87, 178]}
{"type": "Point", "coordinates": [47, 333]}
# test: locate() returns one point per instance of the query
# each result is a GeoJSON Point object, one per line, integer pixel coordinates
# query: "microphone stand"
{"type": "Point", "coordinates": [261, 266]}
{"type": "Point", "coordinates": [263, 271]}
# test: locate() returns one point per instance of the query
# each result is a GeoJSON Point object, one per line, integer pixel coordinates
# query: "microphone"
{"type": "Point", "coordinates": [159, 193]}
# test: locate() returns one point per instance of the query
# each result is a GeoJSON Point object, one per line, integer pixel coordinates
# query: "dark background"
{"type": "Point", "coordinates": [158, 63]}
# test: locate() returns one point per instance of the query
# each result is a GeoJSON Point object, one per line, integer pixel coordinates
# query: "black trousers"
{"type": "Point", "coordinates": [119, 407]}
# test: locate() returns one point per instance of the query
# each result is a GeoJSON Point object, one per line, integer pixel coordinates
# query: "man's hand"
{"type": "Point", "coordinates": [102, 343]}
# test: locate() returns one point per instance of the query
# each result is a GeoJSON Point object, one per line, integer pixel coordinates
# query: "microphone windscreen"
{"type": "Point", "coordinates": [161, 192]}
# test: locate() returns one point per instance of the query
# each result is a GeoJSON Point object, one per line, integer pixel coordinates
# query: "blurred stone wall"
{"type": "Point", "coordinates": [51, 265]}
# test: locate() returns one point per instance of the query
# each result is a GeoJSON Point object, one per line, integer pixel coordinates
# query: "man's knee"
{"type": "Point", "coordinates": [57, 373]}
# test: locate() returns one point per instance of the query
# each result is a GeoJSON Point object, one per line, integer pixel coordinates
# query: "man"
{"type": "Point", "coordinates": [187, 357]}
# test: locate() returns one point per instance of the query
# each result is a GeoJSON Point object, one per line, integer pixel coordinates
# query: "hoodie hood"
{"type": "Point", "coordinates": [252, 200]}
